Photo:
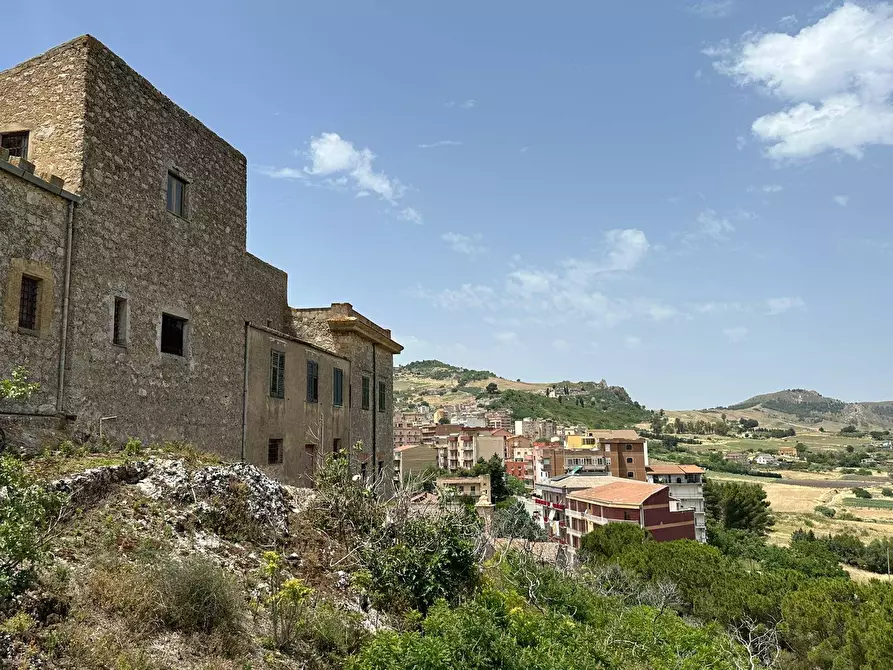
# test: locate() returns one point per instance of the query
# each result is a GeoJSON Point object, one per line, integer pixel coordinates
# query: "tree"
{"type": "Point", "coordinates": [17, 386]}
{"type": "Point", "coordinates": [496, 469]}
{"type": "Point", "coordinates": [657, 422]}
{"type": "Point", "coordinates": [821, 429]}
{"type": "Point", "coordinates": [515, 523]}
{"type": "Point", "coordinates": [444, 420]}
{"type": "Point", "coordinates": [859, 492]}
{"type": "Point", "coordinates": [515, 486]}
{"type": "Point", "coordinates": [492, 388]}
{"type": "Point", "coordinates": [738, 505]}
{"type": "Point", "coordinates": [606, 542]}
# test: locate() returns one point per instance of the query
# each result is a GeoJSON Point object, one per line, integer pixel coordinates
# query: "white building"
{"type": "Point", "coordinates": [686, 484]}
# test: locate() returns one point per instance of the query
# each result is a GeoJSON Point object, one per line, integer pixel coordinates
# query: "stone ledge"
{"type": "Point", "coordinates": [22, 168]}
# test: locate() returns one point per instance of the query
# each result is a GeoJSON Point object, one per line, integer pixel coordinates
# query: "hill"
{"type": "Point", "coordinates": [595, 404]}
{"type": "Point", "coordinates": [801, 409]}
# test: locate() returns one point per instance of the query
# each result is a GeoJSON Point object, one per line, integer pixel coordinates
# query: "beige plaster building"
{"type": "Point", "coordinates": [128, 293]}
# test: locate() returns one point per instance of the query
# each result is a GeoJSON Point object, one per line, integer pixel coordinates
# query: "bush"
{"type": "Point", "coordinates": [514, 522]}
{"type": "Point", "coordinates": [859, 492]}
{"type": "Point", "coordinates": [887, 491]}
{"type": "Point", "coordinates": [27, 515]}
{"type": "Point", "coordinates": [825, 511]}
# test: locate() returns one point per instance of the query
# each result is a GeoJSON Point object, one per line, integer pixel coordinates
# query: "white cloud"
{"type": "Point", "coordinates": [842, 200]}
{"type": "Point", "coordinates": [464, 244]}
{"type": "Point", "coordinates": [710, 226]}
{"type": "Point", "coordinates": [632, 342]}
{"type": "Point", "coordinates": [775, 306]}
{"type": "Point", "coordinates": [735, 334]}
{"type": "Point", "coordinates": [713, 9]}
{"type": "Point", "coordinates": [440, 143]}
{"type": "Point", "coordinates": [627, 248]}
{"type": "Point", "coordinates": [561, 346]}
{"type": "Point", "coordinates": [834, 76]}
{"type": "Point", "coordinates": [772, 188]}
{"type": "Point", "coordinates": [281, 173]}
{"type": "Point", "coordinates": [789, 20]}
{"type": "Point", "coordinates": [411, 215]}
{"type": "Point", "coordinates": [740, 142]}
{"type": "Point", "coordinates": [506, 336]}
{"type": "Point", "coordinates": [332, 156]}
{"type": "Point", "coordinates": [465, 104]}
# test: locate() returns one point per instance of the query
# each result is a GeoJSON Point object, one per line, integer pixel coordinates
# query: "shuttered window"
{"type": "Point", "coordinates": [277, 374]}
{"type": "Point", "coordinates": [312, 381]}
{"type": "Point", "coordinates": [367, 393]}
{"type": "Point", "coordinates": [382, 398]}
{"type": "Point", "coordinates": [338, 387]}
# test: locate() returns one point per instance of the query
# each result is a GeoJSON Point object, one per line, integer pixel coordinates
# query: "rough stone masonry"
{"type": "Point", "coordinates": [128, 293]}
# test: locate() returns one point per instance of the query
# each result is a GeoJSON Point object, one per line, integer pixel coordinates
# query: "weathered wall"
{"type": "Point", "coordinates": [127, 244]}
{"type": "Point", "coordinates": [46, 96]}
{"type": "Point", "coordinates": [264, 296]}
{"type": "Point", "coordinates": [293, 419]}
{"type": "Point", "coordinates": [32, 241]}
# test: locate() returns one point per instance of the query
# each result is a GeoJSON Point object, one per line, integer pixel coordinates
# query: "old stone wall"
{"type": "Point", "coordinates": [127, 245]}
{"type": "Point", "coordinates": [308, 430]}
{"type": "Point", "coordinates": [32, 242]}
{"type": "Point", "coordinates": [265, 294]}
{"type": "Point", "coordinates": [46, 96]}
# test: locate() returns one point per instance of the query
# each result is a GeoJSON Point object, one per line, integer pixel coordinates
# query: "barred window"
{"type": "Point", "coordinates": [274, 451]}
{"type": "Point", "coordinates": [16, 143]}
{"type": "Point", "coordinates": [28, 303]}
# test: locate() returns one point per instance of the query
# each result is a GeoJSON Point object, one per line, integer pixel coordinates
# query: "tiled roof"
{"type": "Point", "coordinates": [581, 481]}
{"type": "Point", "coordinates": [407, 447]}
{"type": "Point", "coordinates": [620, 492]}
{"type": "Point", "coordinates": [673, 469]}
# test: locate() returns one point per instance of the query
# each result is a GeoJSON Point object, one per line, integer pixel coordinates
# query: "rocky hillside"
{"type": "Point", "coordinates": [812, 407]}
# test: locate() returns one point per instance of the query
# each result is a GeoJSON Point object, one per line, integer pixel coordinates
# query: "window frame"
{"type": "Point", "coordinates": [367, 393]}
{"type": "Point", "coordinates": [312, 381]}
{"type": "Point", "coordinates": [337, 387]}
{"type": "Point", "coordinates": [26, 134]}
{"type": "Point", "coordinates": [184, 334]}
{"type": "Point", "coordinates": [32, 326]}
{"type": "Point", "coordinates": [175, 178]}
{"type": "Point", "coordinates": [277, 443]}
{"type": "Point", "coordinates": [277, 374]}
{"type": "Point", "coordinates": [120, 319]}
{"type": "Point", "coordinates": [382, 397]}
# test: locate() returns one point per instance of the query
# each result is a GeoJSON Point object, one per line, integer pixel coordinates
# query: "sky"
{"type": "Point", "coordinates": [690, 199]}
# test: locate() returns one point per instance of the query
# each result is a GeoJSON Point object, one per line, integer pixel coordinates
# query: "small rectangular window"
{"type": "Point", "coordinates": [312, 381]}
{"type": "Point", "coordinates": [277, 374]}
{"type": "Point", "coordinates": [173, 335]}
{"type": "Point", "coordinates": [28, 303]}
{"type": "Point", "coordinates": [176, 195]}
{"type": "Point", "coordinates": [336, 447]}
{"type": "Point", "coordinates": [119, 326]}
{"type": "Point", "coordinates": [363, 473]}
{"type": "Point", "coordinates": [274, 451]}
{"type": "Point", "coordinates": [367, 393]}
{"type": "Point", "coordinates": [382, 398]}
{"type": "Point", "coordinates": [338, 387]}
{"type": "Point", "coordinates": [16, 143]}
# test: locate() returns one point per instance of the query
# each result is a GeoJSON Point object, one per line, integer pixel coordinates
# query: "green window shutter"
{"type": "Point", "coordinates": [280, 380]}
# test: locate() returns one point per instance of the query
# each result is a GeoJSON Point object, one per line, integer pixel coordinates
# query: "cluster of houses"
{"type": "Point", "coordinates": [575, 483]}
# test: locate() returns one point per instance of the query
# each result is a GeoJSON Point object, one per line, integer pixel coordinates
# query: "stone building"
{"type": "Point", "coordinates": [128, 293]}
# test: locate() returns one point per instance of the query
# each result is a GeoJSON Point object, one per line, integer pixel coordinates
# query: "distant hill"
{"type": "Point", "coordinates": [594, 404]}
{"type": "Point", "coordinates": [811, 407]}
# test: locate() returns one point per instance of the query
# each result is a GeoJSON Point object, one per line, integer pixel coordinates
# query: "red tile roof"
{"type": "Point", "coordinates": [673, 469]}
{"type": "Point", "coordinates": [623, 493]}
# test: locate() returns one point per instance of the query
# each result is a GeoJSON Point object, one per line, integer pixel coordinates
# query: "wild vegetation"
{"type": "Point", "coordinates": [600, 408]}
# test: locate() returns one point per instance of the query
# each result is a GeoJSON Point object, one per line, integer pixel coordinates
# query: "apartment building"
{"type": "Point", "coordinates": [413, 460]}
{"type": "Point", "coordinates": [500, 419]}
{"type": "Point", "coordinates": [461, 449]}
{"type": "Point", "coordinates": [686, 483]}
{"type": "Point", "coordinates": [648, 506]}
{"type": "Point", "coordinates": [407, 429]}
{"type": "Point", "coordinates": [465, 487]}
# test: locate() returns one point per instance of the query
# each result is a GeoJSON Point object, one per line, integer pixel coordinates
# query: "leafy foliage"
{"type": "Point", "coordinates": [602, 408]}
{"type": "Point", "coordinates": [515, 522]}
{"type": "Point", "coordinates": [27, 514]}
{"type": "Point", "coordinates": [738, 505]}
{"type": "Point", "coordinates": [17, 387]}
{"type": "Point", "coordinates": [610, 540]}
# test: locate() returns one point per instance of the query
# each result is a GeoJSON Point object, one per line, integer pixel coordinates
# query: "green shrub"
{"type": "Point", "coordinates": [198, 596]}
{"type": "Point", "coordinates": [825, 511]}
{"type": "Point", "coordinates": [887, 491]}
{"type": "Point", "coordinates": [859, 492]}
{"type": "Point", "coordinates": [27, 514]}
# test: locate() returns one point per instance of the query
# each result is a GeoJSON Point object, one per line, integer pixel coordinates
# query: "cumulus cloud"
{"type": "Point", "coordinates": [333, 156]}
{"type": "Point", "coordinates": [842, 200]}
{"type": "Point", "coordinates": [835, 78]}
{"type": "Point", "coordinates": [470, 245]}
{"type": "Point", "coordinates": [281, 173]}
{"type": "Point", "coordinates": [735, 334]}
{"type": "Point", "coordinates": [776, 306]}
{"type": "Point", "coordinates": [440, 143]}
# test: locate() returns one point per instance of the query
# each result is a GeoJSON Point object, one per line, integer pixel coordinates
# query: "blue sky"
{"type": "Point", "coordinates": [689, 199]}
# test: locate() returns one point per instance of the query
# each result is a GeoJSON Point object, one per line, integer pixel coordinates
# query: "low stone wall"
{"type": "Point", "coordinates": [29, 434]}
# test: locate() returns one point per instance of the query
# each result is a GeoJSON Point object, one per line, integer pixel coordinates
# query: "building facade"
{"type": "Point", "coordinates": [461, 448]}
{"type": "Point", "coordinates": [413, 460]}
{"type": "Point", "coordinates": [686, 484]}
{"type": "Point", "coordinates": [128, 293]}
